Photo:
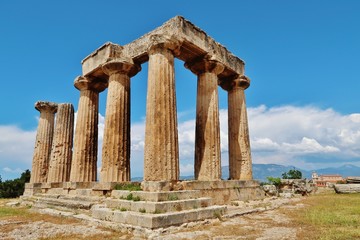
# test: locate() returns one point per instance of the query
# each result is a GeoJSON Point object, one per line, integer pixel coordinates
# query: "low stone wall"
{"type": "Point", "coordinates": [221, 192]}
{"type": "Point", "coordinates": [347, 188]}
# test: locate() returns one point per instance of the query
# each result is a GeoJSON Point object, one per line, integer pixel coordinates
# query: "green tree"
{"type": "Point", "coordinates": [14, 188]}
{"type": "Point", "coordinates": [292, 174]}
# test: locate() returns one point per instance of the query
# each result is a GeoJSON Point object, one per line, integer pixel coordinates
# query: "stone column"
{"type": "Point", "coordinates": [61, 151]}
{"type": "Point", "coordinates": [116, 145]}
{"type": "Point", "coordinates": [161, 160]}
{"type": "Point", "coordinates": [44, 138]}
{"type": "Point", "coordinates": [240, 164]}
{"type": "Point", "coordinates": [84, 159]}
{"type": "Point", "coordinates": [207, 131]}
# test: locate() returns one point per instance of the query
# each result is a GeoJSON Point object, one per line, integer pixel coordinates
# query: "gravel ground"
{"type": "Point", "coordinates": [260, 220]}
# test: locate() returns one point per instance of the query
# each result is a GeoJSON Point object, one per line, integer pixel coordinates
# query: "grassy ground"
{"type": "Point", "coordinates": [328, 216]}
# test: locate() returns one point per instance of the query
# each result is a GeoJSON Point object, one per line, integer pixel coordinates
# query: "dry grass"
{"type": "Point", "coordinates": [328, 216]}
{"type": "Point", "coordinates": [15, 217]}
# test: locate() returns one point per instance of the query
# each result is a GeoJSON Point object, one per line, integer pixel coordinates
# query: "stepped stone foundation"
{"type": "Point", "coordinates": [64, 176]}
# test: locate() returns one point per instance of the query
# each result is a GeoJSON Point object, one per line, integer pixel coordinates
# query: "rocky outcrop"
{"type": "Point", "coordinates": [270, 190]}
{"type": "Point", "coordinates": [353, 180]}
{"type": "Point", "coordinates": [289, 187]}
{"type": "Point", "coordinates": [297, 186]}
{"type": "Point", "coordinates": [347, 188]}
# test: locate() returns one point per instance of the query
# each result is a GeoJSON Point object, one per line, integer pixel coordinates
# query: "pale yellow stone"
{"type": "Point", "coordinates": [161, 160]}
{"type": "Point", "coordinates": [44, 138]}
{"type": "Point", "coordinates": [194, 43]}
{"type": "Point", "coordinates": [207, 133]}
{"type": "Point", "coordinates": [240, 163]}
{"type": "Point", "coordinates": [84, 160]}
{"type": "Point", "coordinates": [61, 152]}
{"type": "Point", "coordinates": [116, 144]}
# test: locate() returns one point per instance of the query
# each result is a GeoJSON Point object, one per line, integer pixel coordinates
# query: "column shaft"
{"type": "Point", "coordinates": [61, 153]}
{"type": "Point", "coordinates": [207, 133]}
{"type": "Point", "coordinates": [240, 163]}
{"type": "Point", "coordinates": [161, 136]}
{"type": "Point", "coordinates": [44, 138]}
{"type": "Point", "coordinates": [116, 145]}
{"type": "Point", "coordinates": [84, 160]}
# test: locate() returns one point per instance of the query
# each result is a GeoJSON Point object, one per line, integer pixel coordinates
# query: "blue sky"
{"type": "Point", "coordinates": [302, 58]}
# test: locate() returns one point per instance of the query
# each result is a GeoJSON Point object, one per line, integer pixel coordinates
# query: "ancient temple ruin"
{"type": "Point", "coordinates": [66, 167]}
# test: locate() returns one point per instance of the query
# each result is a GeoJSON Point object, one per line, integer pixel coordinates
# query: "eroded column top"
{"type": "Point", "coordinates": [158, 43]}
{"type": "Point", "coordinates": [86, 83]}
{"type": "Point", "coordinates": [242, 82]}
{"type": "Point", "coordinates": [203, 65]}
{"type": "Point", "coordinates": [121, 65]}
{"type": "Point", "coordinates": [44, 106]}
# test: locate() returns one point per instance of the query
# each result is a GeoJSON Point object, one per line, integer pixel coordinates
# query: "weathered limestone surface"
{"type": "Point", "coordinates": [43, 141]}
{"type": "Point", "coordinates": [83, 166]}
{"type": "Point", "coordinates": [61, 152]}
{"type": "Point", "coordinates": [116, 144]}
{"type": "Point", "coordinates": [194, 43]}
{"type": "Point", "coordinates": [207, 132]}
{"type": "Point", "coordinates": [161, 160]}
{"type": "Point", "coordinates": [240, 164]}
{"type": "Point", "coordinates": [347, 188]}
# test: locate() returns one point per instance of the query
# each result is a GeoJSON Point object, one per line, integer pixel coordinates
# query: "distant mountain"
{"type": "Point", "coordinates": [262, 171]}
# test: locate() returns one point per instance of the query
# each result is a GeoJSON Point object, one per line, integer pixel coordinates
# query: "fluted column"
{"type": "Point", "coordinates": [240, 163]}
{"type": "Point", "coordinates": [84, 159]}
{"type": "Point", "coordinates": [161, 160]}
{"type": "Point", "coordinates": [207, 130]}
{"type": "Point", "coordinates": [61, 151]}
{"type": "Point", "coordinates": [115, 165]}
{"type": "Point", "coordinates": [44, 138]}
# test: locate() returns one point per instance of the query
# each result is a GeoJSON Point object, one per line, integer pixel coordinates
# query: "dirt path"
{"type": "Point", "coordinates": [259, 223]}
{"type": "Point", "coordinates": [253, 220]}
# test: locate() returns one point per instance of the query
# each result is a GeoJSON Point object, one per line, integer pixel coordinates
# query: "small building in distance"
{"type": "Point", "coordinates": [324, 180]}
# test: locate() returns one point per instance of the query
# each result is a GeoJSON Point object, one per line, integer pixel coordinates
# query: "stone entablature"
{"type": "Point", "coordinates": [192, 44]}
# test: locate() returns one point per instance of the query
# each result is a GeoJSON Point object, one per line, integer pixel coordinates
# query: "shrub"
{"type": "Point", "coordinates": [14, 188]}
{"type": "Point", "coordinates": [128, 186]}
{"type": "Point", "coordinates": [292, 174]}
{"type": "Point", "coordinates": [173, 197]}
{"type": "Point", "coordinates": [274, 181]}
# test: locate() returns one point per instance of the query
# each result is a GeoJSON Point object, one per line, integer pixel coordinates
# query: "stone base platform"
{"type": "Point", "coordinates": [159, 204]}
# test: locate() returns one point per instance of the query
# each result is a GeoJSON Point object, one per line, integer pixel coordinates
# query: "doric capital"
{"type": "Point", "coordinates": [242, 82]}
{"type": "Point", "coordinates": [85, 83]}
{"type": "Point", "coordinates": [125, 66]}
{"type": "Point", "coordinates": [43, 106]}
{"type": "Point", "coordinates": [205, 65]}
{"type": "Point", "coordinates": [159, 43]}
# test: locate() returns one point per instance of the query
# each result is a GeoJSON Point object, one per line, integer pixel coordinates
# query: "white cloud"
{"type": "Point", "coordinates": [187, 169]}
{"type": "Point", "coordinates": [16, 150]}
{"type": "Point", "coordinates": [9, 170]}
{"type": "Point", "coordinates": [296, 135]}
